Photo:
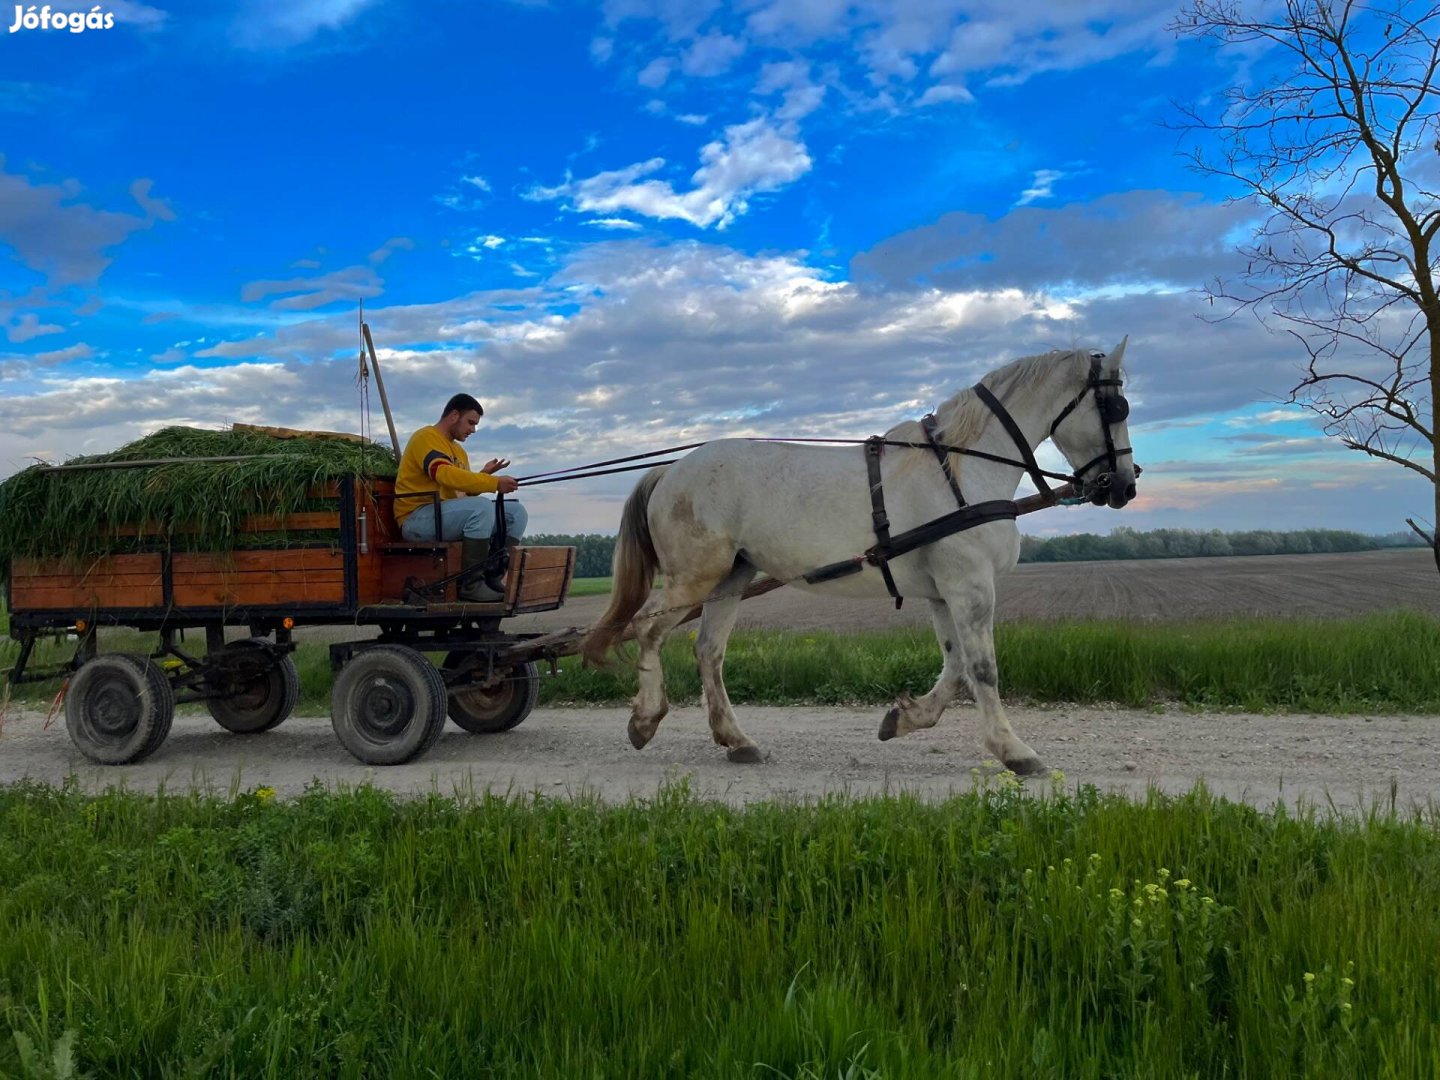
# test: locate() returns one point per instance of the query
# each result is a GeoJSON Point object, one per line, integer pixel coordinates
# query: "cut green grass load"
{"type": "Point", "coordinates": [196, 505]}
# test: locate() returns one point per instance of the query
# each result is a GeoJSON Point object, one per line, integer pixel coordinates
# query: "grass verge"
{"type": "Point", "coordinates": [1376, 664]}
{"type": "Point", "coordinates": [353, 935]}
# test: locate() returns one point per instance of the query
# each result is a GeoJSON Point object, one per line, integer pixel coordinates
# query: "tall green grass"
{"type": "Point", "coordinates": [1380, 663]}
{"type": "Point", "coordinates": [995, 934]}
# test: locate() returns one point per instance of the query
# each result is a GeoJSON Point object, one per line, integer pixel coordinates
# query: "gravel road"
{"type": "Point", "coordinates": [814, 751]}
{"type": "Point", "coordinates": [1351, 761]}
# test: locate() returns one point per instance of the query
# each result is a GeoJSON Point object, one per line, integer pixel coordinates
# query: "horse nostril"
{"type": "Point", "coordinates": [1129, 491]}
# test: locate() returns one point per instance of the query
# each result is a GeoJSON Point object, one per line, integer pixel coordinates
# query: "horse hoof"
{"type": "Point", "coordinates": [744, 755]}
{"type": "Point", "coordinates": [638, 738]}
{"type": "Point", "coordinates": [1026, 766]}
{"type": "Point", "coordinates": [890, 726]}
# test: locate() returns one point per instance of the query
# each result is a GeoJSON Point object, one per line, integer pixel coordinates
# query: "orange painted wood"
{"type": "Point", "coordinates": [112, 581]}
{"type": "Point", "coordinates": [148, 563]}
{"type": "Point", "coordinates": [263, 559]}
{"type": "Point", "coordinates": [266, 595]}
{"type": "Point", "coordinates": [82, 598]}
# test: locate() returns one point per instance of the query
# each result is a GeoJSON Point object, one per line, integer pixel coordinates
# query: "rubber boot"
{"type": "Point", "coordinates": [474, 590]}
{"type": "Point", "coordinates": [497, 581]}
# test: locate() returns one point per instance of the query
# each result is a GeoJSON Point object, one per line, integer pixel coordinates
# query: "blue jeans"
{"type": "Point", "coordinates": [471, 516]}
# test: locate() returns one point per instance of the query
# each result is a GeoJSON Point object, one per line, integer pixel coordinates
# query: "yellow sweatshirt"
{"type": "Point", "coordinates": [431, 461]}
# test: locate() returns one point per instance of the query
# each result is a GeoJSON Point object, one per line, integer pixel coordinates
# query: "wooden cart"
{"type": "Point", "coordinates": [389, 700]}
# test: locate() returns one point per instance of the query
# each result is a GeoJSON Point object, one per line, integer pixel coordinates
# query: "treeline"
{"type": "Point", "coordinates": [1127, 543]}
{"type": "Point", "coordinates": [594, 551]}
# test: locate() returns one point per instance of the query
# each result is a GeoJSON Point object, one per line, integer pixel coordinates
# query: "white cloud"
{"type": "Point", "coordinates": [941, 93]}
{"type": "Point", "coordinates": [612, 223]}
{"type": "Point", "coordinates": [753, 157]}
{"type": "Point", "coordinates": [653, 75]}
{"type": "Point", "coordinates": [280, 24]}
{"type": "Point", "coordinates": [79, 351]}
{"type": "Point", "coordinates": [712, 54]}
{"type": "Point", "coordinates": [304, 294]}
{"type": "Point", "coordinates": [1042, 186]}
{"type": "Point", "coordinates": [29, 327]}
{"type": "Point", "coordinates": [67, 240]}
{"type": "Point", "coordinates": [476, 181]}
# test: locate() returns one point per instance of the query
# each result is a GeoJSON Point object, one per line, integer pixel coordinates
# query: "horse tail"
{"type": "Point", "coordinates": [634, 572]}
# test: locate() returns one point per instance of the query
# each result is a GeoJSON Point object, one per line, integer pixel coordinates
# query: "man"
{"type": "Point", "coordinates": [435, 460]}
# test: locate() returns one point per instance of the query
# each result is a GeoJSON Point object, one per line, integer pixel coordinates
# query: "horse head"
{"type": "Point", "coordinates": [1093, 433]}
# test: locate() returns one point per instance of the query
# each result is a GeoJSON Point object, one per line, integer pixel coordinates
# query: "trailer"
{"type": "Point", "coordinates": [427, 655]}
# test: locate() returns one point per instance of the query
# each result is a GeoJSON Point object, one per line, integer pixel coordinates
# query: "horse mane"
{"type": "Point", "coordinates": [961, 417]}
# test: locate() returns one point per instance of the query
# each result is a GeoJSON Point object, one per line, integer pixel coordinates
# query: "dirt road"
{"type": "Point", "coordinates": [812, 752]}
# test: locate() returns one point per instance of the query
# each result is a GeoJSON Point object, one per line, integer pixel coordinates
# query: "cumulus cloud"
{"type": "Point", "coordinates": [79, 351]}
{"type": "Point", "coordinates": [29, 326]}
{"type": "Point", "coordinates": [281, 24]}
{"type": "Point", "coordinates": [67, 240]}
{"type": "Point", "coordinates": [1133, 237]}
{"type": "Point", "coordinates": [751, 158]}
{"type": "Point", "coordinates": [712, 54]}
{"type": "Point", "coordinates": [304, 294]}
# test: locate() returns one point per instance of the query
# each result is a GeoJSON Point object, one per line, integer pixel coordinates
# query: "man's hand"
{"type": "Point", "coordinates": [494, 465]}
{"type": "Point", "coordinates": [505, 484]}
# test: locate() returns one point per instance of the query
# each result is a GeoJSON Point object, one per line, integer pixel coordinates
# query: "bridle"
{"type": "Point", "coordinates": [1112, 408]}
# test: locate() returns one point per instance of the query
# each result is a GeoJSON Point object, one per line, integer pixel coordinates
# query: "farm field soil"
{"type": "Point", "coordinates": [1283, 586]}
{"type": "Point", "coordinates": [1352, 761]}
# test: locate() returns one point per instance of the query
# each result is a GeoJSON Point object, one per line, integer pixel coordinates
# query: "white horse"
{"type": "Point", "coordinates": [731, 508]}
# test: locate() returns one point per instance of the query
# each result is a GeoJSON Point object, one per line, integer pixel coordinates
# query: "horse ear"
{"type": "Point", "coordinates": [1117, 354]}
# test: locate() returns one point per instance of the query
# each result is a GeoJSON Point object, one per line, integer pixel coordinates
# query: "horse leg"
{"type": "Point", "coordinates": [661, 614]}
{"type": "Point", "coordinates": [716, 621]}
{"type": "Point", "coordinates": [911, 714]}
{"type": "Point", "coordinates": [973, 611]}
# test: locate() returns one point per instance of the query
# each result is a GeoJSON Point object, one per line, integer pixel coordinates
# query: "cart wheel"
{"type": "Point", "coordinates": [388, 705]}
{"type": "Point", "coordinates": [119, 708]}
{"type": "Point", "coordinates": [263, 690]}
{"type": "Point", "coordinates": [487, 710]}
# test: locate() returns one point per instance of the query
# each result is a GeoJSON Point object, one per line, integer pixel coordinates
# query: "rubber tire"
{"type": "Point", "coordinates": [280, 687]}
{"type": "Point", "coordinates": [110, 681]}
{"type": "Point", "coordinates": [483, 713]}
{"type": "Point", "coordinates": [407, 684]}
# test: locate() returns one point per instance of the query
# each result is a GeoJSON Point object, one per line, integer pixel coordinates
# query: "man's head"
{"type": "Point", "coordinates": [461, 417]}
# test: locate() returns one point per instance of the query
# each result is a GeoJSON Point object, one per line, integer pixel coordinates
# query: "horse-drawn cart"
{"type": "Point", "coordinates": [389, 701]}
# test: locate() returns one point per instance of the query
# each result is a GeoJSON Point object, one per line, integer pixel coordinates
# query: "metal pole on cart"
{"type": "Point", "coordinates": [380, 385]}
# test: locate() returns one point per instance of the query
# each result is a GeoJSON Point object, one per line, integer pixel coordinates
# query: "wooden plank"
{"type": "Point", "coordinates": [145, 563]}
{"type": "Point", "coordinates": [80, 600]}
{"type": "Point", "coordinates": [278, 578]}
{"type": "Point", "coordinates": [260, 559]}
{"type": "Point", "coordinates": [76, 581]}
{"type": "Point", "coordinates": [396, 568]}
{"type": "Point", "coordinates": [219, 595]}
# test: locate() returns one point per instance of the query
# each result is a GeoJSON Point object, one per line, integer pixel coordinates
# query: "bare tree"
{"type": "Point", "coordinates": [1339, 143]}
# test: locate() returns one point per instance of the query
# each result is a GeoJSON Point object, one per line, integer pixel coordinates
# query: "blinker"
{"type": "Point", "coordinates": [1114, 410]}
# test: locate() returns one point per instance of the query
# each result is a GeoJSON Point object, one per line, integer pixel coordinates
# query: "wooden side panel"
{"type": "Point", "coordinates": [275, 577]}
{"type": "Point", "coordinates": [114, 581]}
{"type": "Point", "coordinates": [541, 578]}
{"type": "Point", "coordinates": [396, 568]}
{"type": "Point", "coordinates": [377, 499]}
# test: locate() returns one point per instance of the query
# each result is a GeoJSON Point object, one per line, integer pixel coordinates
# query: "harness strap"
{"type": "Point", "coordinates": [927, 424]}
{"type": "Point", "coordinates": [967, 517]}
{"type": "Point", "coordinates": [874, 446]}
{"type": "Point", "coordinates": [1017, 437]}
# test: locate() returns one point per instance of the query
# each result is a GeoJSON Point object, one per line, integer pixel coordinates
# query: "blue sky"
{"type": "Point", "coordinates": [628, 225]}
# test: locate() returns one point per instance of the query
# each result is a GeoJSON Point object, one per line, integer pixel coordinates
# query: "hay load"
{"type": "Point", "coordinates": [184, 487]}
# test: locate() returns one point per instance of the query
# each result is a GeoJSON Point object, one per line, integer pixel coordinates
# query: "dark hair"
{"type": "Point", "coordinates": [462, 403]}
